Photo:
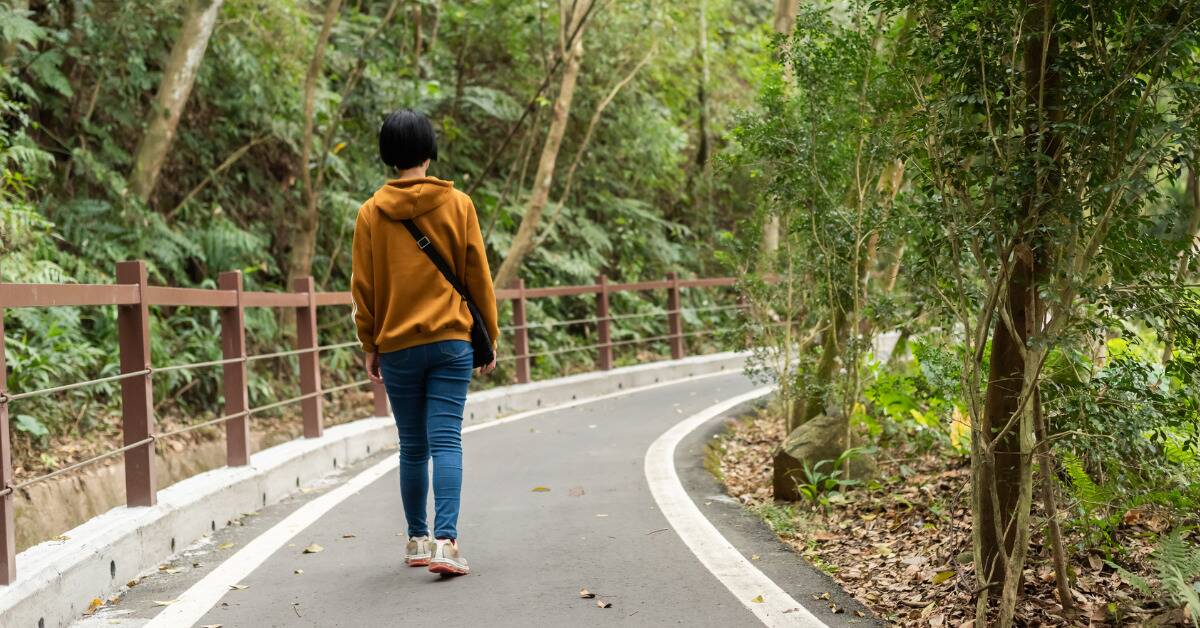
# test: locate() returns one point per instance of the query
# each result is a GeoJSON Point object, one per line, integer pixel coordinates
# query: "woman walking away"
{"type": "Point", "coordinates": [414, 240]}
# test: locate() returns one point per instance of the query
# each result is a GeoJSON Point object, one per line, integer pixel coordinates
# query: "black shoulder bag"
{"type": "Point", "coordinates": [480, 341]}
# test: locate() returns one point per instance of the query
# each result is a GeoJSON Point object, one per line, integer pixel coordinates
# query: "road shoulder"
{"type": "Point", "coordinates": [752, 537]}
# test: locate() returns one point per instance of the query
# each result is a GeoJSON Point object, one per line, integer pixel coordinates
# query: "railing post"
{"type": "Point", "coordinates": [233, 346]}
{"type": "Point", "coordinates": [8, 540]}
{"type": "Point", "coordinates": [310, 363]}
{"type": "Point", "coordinates": [603, 333]}
{"type": "Point", "coordinates": [379, 392]}
{"type": "Point", "coordinates": [137, 393]}
{"type": "Point", "coordinates": [674, 318]}
{"type": "Point", "coordinates": [521, 342]}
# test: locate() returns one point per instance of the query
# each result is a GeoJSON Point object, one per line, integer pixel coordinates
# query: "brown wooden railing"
{"type": "Point", "coordinates": [133, 297]}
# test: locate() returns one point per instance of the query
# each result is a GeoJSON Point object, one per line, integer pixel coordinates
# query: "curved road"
{"type": "Point", "coordinates": [598, 526]}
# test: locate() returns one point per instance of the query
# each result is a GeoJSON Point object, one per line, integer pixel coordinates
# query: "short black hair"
{"type": "Point", "coordinates": [406, 139]}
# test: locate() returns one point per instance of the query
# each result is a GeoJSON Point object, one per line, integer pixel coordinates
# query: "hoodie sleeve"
{"type": "Point", "coordinates": [362, 283]}
{"type": "Point", "coordinates": [478, 277]}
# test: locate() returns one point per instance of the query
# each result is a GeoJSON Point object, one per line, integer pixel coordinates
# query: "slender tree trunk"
{"type": "Point", "coordinates": [177, 79]}
{"type": "Point", "coordinates": [812, 402]}
{"type": "Point", "coordinates": [785, 19]}
{"type": "Point", "coordinates": [1004, 490]}
{"type": "Point", "coordinates": [1050, 501]}
{"type": "Point", "coordinates": [304, 241]}
{"type": "Point", "coordinates": [523, 242]}
{"type": "Point", "coordinates": [418, 39]}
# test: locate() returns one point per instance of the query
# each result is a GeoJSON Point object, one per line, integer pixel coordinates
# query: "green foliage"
{"type": "Point", "coordinates": [824, 481]}
{"type": "Point", "coordinates": [1176, 561]}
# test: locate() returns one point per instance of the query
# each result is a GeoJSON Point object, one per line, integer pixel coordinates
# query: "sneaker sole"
{"type": "Point", "coordinates": [417, 562]}
{"type": "Point", "coordinates": [448, 569]}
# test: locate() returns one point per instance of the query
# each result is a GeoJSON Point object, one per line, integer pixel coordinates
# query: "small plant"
{"type": "Point", "coordinates": [1177, 564]}
{"type": "Point", "coordinates": [824, 481]}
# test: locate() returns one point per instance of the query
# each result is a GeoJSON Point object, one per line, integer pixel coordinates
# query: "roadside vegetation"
{"type": "Point", "coordinates": [211, 135]}
{"type": "Point", "coordinates": [979, 231]}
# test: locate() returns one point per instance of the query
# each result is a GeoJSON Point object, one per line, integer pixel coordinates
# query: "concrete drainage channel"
{"type": "Point", "coordinates": [57, 579]}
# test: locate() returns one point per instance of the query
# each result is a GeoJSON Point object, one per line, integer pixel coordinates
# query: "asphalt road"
{"type": "Point", "coordinates": [597, 527]}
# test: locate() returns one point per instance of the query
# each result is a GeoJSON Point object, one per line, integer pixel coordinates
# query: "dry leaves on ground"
{"type": "Point", "coordinates": [903, 548]}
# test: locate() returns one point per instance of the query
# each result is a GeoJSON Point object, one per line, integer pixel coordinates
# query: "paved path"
{"type": "Point", "coordinates": [597, 527]}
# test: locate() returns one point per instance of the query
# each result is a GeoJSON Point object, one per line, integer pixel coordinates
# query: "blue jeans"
{"type": "Point", "coordinates": [427, 385]}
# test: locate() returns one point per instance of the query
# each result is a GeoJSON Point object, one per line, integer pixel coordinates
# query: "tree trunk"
{"type": "Point", "coordinates": [523, 241]}
{"type": "Point", "coordinates": [177, 79]}
{"type": "Point", "coordinates": [812, 402]}
{"type": "Point", "coordinates": [785, 16]}
{"type": "Point", "coordinates": [304, 240]}
{"type": "Point", "coordinates": [1004, 488]}
{"type": "Point", "coordinates": [785, 19]}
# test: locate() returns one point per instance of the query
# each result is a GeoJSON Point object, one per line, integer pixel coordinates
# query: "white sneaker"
{"type": "Point", "coordinates": [447, 559]}
{"type": "Point", "coordinates": [417, 552]}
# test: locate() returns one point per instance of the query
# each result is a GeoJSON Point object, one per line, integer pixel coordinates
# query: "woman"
{"type": "Point", "coordinates": [415, 329]}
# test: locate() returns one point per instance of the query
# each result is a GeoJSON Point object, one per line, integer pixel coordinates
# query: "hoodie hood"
{"type": "Point", "coordinates": [402, 199]}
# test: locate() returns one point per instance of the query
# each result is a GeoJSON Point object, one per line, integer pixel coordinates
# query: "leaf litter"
{"type": "Point", "coordinates": [903, 548]}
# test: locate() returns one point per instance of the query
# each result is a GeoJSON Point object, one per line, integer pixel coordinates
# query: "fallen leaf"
{"type": "Point", "coordinates": [937, 621]}
{"type": "Point", "coordinates": [313, 549]}
{"type": "Point", "coordinates": [540, 489]}
{"type": "Point", "coordinates": [96, 603]}
{"type": "Point", "coordinates": [585, 594]}
{"type": "Point", "coordinates": [754, 557]}
{"type": "Point", "coordinates": [164, 602]}
{"type": "Point", "coordinates": [61, 537]}
{"type": "Point", "coordinates": [603, 604]}
{"type": "Point", "coordinates": [859, 614]}
{"type": "Point", "coordinates": [348, 535]}
{"type": "Point", "coordinates": [1096, 563]}
{"type": "Point", "coordinates": [943, 576]}
{"type": "Point", "coordinates": [758, 599]}
{"type": "Point", "coordinates": [239, 587]}
{"type": "Point", "coordinates": [821, 596]}
{"type": "Point", "coordinates": [211, 626]}
{"type": "Point", "coordinates": [225, 545]}
{"type": "Point", "coordinates": [298, 571]}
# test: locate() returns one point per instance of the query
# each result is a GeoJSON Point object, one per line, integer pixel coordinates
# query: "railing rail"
{"type": "Point", "coordinates": [133, 297]}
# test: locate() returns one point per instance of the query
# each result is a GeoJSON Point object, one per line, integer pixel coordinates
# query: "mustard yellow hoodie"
{"type": "Point", "coordinates": [400, 298]}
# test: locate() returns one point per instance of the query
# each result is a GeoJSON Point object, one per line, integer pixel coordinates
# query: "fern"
{"type": "Point", "coordinates": [1089, 494]}
{"type": "Point", "coordinates": [1176, 562]}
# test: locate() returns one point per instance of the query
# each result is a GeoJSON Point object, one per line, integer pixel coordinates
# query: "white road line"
{"type": "Point", "coordinates": [739, 575]}
{"type": "Point", "coordinates": [190, 606]}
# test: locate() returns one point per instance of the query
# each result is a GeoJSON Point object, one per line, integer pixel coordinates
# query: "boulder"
{"type": "Point", "coordinates": [821, 438]}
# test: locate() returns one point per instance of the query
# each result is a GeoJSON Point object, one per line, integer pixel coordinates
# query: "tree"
{"type": "Point", "coordinates": [304, 239]}
{"type": "Point", "coordinates": [173, 91]}
{"type": "Point", "coordinates": [571, 31]}
{"type": "Point", "coordinates": [1041, 163]}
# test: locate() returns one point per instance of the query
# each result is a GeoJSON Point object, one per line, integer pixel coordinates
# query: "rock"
{"type": "Point", "coordinates": [821, 438]}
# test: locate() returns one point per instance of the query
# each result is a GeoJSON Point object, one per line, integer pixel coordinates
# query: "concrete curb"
{"type": "Point", "coordinates": [57, 579]}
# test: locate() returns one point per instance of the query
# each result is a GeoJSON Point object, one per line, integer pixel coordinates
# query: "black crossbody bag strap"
{"type": "Point", "coordinates": [481, 342]}
{"type": "Point", "coordinates": [431, 252]}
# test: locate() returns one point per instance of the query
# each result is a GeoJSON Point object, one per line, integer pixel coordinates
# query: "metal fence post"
{"type": "Point", "coordinates": [603, 333]}
{"type": "Point", "coordinates": [521, 342]}
{"type": "Point", "coordinates": [233, 346]}
{"type": "Point", "coordinates": [137, 394]}
{"type": "Point", "coordinates": [310, 362]}
{"type": "Point", "coordinates": [8, 534]}
{"type": "Point", "coordinates": [674, 318]}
